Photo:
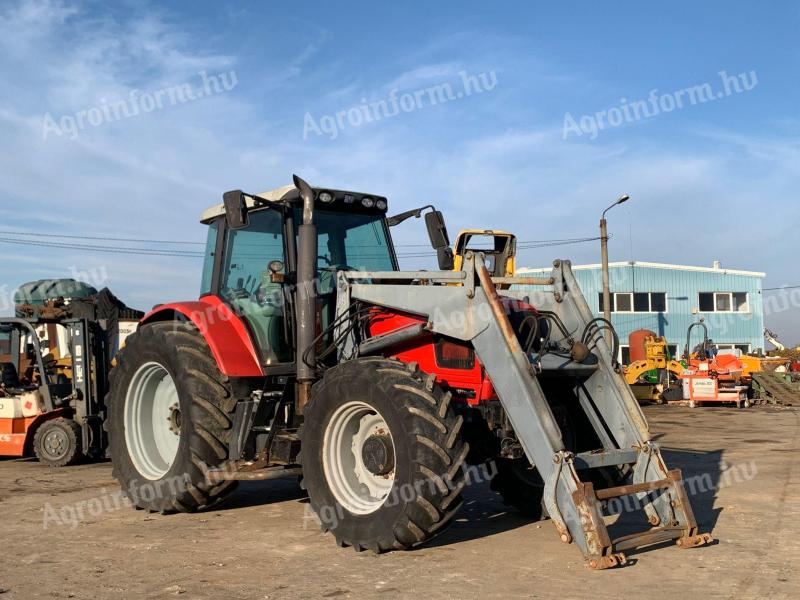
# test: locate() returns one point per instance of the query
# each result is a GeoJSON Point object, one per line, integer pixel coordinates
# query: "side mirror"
{"type": "Point", "coordinates": [235, 209]}
{"type": "Point", "coordinates": [445, 257]}
{"type": "Point", "coordinates": [437, 231]}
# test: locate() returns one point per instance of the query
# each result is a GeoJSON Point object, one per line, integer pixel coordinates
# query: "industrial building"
{"type": "Point", "coordinates": [667, 298]}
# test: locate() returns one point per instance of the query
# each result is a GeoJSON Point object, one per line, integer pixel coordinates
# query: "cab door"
{"type": "Point", "coordinates": [245, 282]}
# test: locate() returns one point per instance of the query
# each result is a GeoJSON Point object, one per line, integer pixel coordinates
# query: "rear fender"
{"type": "Point", "coordinates": [224, 331]}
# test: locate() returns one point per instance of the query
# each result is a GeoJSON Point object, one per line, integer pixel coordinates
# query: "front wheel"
{"type": "Point", "coordinates": [382, 455]}
{"type": "Point", "coordinates": [58, 442]}
{"type": "Point", "coordinates": [170, 415]}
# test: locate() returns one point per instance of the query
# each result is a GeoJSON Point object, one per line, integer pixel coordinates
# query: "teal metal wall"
{"type": "Point", "coordinates": [682, 286]}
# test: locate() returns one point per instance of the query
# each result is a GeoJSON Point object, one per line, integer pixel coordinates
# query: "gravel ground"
{"type": "Point", "coordinates": [67, 535]}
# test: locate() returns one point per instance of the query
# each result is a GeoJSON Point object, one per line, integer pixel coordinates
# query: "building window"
{"type": "Point", "coordinates": [639, 302]}
{"type": "Point", "coordinates": [724, 302]}
{"type": "Point", "coordinates": [624, 355]}
{"type": "Point", "coordinates": [658, 302]}
{"type": "Point", "coordinates": [623, 303]}
{"type": "Point", "coordinates": [744, 348]}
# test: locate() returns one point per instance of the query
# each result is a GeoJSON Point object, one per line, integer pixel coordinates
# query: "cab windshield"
{"type": "Point", "coordinates": [351, 240]}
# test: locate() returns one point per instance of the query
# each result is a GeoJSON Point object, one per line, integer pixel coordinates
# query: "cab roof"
{"type": "Point", "coordinates": [289, 194]}
{"type": "Point", "coordinates": [276, 195]}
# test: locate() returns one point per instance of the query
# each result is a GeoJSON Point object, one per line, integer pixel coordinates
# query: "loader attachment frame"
{"type": "Point", "coordinates": [471, 311]}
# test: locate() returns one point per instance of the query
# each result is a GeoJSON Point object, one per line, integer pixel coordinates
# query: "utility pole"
{"type": "Point", "coordinates": [604, 255]}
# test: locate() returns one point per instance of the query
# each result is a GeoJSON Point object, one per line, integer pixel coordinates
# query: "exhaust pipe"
{"type": "Point", "coordinates": [306, 355]}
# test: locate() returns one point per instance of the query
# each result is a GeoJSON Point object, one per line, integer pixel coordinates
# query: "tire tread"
{"type": "Point", "coordinates": [211, 409]}
{"type": "Point", "coordinates": [437, 444]}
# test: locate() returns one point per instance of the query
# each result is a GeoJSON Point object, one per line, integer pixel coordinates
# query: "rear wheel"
{"type": "Point", "coordinates": [520, 486]}
{"type": "Point", "coordinates": [170, 415]}
{"type": "Point", "coordinates": [382, 455]}
{"type": "Point", "coordinates": [58, 442]}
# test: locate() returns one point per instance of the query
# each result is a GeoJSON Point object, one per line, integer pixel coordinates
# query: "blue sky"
{"type": "Point", "coordinates": [715, 180]}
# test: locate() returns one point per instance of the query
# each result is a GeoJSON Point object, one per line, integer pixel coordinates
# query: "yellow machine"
{"type": "Point", "coordinates": [758, 364]}
{"type": "Point", "coordinates": [650, 377]}
{"type": "Point", "coordinates": [499, 247]}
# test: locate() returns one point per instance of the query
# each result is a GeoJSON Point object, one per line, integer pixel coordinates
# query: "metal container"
{"type": "Point", "coordinates": [636, 341]}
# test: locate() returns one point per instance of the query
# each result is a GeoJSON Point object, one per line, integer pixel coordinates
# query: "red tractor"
{"type": "Point", "coordinates": [310, 352]}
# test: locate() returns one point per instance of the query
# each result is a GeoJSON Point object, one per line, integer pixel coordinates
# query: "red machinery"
{"type": "Point", "coordinates": [456, 367]}
{"type": "Point", "coordinates": [310, 352]}
{"type": "Point", "coordinates": [713, 378]}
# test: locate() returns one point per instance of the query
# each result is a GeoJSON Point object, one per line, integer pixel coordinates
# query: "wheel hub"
{"type": "Point", "coordinates": [377, 453]}
{"type": "Point", "coordinates": [56, 444]}
{"type": "Point", "coordinates": [174, 419]}
{"type": "Point", "coordinates": [358, 458]}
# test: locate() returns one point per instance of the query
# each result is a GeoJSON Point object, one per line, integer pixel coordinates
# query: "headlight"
{"type": "Point", "coordinates": [326, 197]}
{"type": "Point", "coordinates": [381, 204]}
{"type": "Point", "coordinates": [367, 202]}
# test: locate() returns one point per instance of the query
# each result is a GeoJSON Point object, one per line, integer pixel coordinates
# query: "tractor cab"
{"type": "Point", "coordinates": [251, 255]}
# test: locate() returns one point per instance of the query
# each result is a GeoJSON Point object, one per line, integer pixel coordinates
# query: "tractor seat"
{"type": "Point", "coordinates": [10, 377]}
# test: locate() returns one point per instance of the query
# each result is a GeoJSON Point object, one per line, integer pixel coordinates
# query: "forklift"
{"type": "Point", "coordinates": [51, 396]}
{"type": "Point", "coordinates": [55, 357]}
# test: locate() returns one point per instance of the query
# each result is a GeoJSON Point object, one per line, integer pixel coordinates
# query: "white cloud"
{"type": "Point", "coordinates": [423, 75]}
{"type": "Point", "coordinates": [151, 176]}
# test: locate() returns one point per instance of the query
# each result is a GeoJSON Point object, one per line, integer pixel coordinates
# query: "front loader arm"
{"type": "Point", "coordinates": [472, 312]}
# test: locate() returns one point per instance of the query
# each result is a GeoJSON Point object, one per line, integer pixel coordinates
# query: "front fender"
{"type": "Point", "coordinates": [224, 331]}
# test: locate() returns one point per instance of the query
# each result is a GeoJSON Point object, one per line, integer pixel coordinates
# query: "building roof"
{"type": "Point", "coordinates": [654, 265]}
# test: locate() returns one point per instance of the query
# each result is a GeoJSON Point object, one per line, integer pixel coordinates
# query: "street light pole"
{"type": "Point", "coordinates": [604, 258]}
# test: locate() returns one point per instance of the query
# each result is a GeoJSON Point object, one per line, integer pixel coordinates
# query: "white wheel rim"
{"type": "Point", "coordinates": [355, 487]}
{"type": "Point", "coordinates": [151, 433]}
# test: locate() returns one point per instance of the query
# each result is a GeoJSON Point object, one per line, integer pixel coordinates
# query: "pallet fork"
{"type": "Point", "coordinates": [472, 311]}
